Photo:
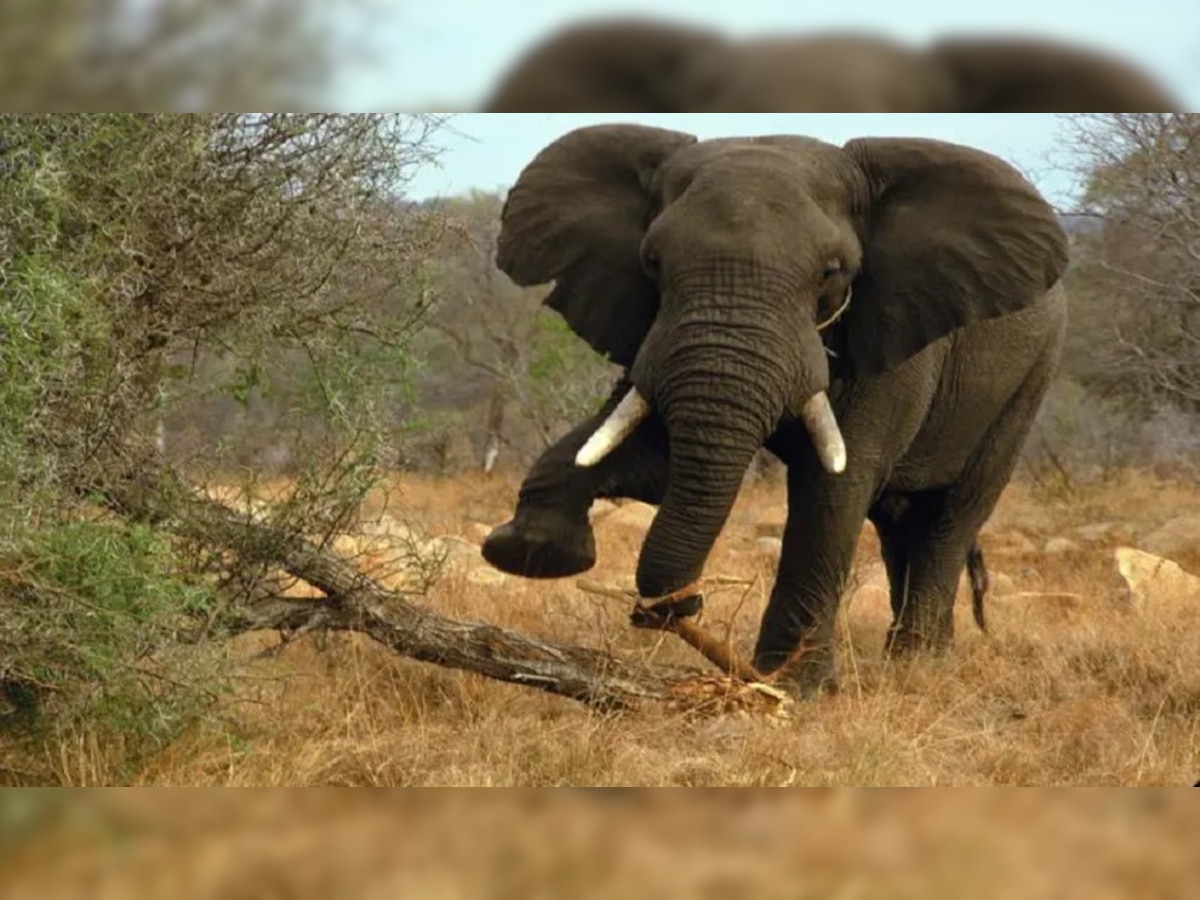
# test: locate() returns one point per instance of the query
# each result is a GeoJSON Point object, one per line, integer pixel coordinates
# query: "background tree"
{"type": "Point", "coordinates": [499, 367]}
{"type": "Point", "coordinates": [1129, 391]}
{"type": "Point", "coordinates": [175, 54]}
{"type": "Point", "coordinates": [1144, 187]}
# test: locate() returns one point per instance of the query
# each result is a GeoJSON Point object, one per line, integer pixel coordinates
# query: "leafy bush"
{"type": "Point", "coordinates": [91, 619]}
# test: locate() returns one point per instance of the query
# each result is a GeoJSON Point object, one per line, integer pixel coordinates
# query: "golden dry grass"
{"type": "Point", "coordinates": [1070, 688]}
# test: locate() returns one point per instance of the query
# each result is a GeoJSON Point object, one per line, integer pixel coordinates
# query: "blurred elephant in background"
{"type": "Point", "coordinates": [649, 66]}
{"type": "Point", "coordinates": [885, 317]}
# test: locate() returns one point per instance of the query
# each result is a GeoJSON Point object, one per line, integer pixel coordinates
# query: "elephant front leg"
{"type": "Point", "coordinates": [550, 535]}
{"type": "Point", "coordinates": [796, 637]}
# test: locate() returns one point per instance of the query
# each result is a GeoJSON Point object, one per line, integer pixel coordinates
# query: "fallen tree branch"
{"type": "Point", "coordinates": [355, 602]}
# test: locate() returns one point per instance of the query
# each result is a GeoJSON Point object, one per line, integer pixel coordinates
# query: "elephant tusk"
{"type": "Point", "coordinates": [628, 414]}
{"type": "Point", "coordinates": [826, 436]}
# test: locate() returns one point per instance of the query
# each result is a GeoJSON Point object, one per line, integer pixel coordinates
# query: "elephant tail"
{"type": "Point", "coordinates": [977, 570]}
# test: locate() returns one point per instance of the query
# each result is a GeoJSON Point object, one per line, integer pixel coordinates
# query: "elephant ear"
{"type": "Point", "coordinates": [623, 65]}
{"type": "Point", "coordinates": [577, 216]}
{"type": "Point", "coordinates": [993, 75]}
{"type": "Point", "coordinates": [952, 235]}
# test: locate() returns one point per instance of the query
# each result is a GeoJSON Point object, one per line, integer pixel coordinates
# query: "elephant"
{"type": "Point", "coordinates": [885, 317]}
{"type": "Point", "coordinates": [642, 65]}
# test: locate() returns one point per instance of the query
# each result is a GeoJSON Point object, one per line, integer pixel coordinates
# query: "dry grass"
{"type": "Point", "coordinates": [1069, 690]}
{"type": "Point", "coordinates": [851, 845]}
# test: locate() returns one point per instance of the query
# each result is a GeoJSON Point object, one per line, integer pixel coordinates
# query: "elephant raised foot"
{"type": "Point", "coordinates": [542, 544]}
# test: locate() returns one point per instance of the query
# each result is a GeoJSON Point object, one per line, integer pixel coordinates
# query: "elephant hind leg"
{"type": "Point", "coordinates": [922, 570]}
{"type": "Point", "coordinates": [938, 531]}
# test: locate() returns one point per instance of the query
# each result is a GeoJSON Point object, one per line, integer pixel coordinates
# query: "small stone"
{"type": "Point", "coordinates": [1008, 543]}
{"type": "Point", "coordinates": [457, 552]}
{"type": "Point", "coordinates": [770, 521]}
{"type": "Point", "coordinates": [477, 532]}
{"type": "Point", "coordinates": [1059, 546]}
{"type": "Point", "coordinates": [385, 526]}
{"type": "Point", "coordinates": [1001, 583]}
{"type": "Point", "coordinates": [769, 546]}
{"type": "Point", "coordinates": [634, 516]}
{"type": "Point", "coordinates": [488, 576]}
{"type": "Point", "coordinates": [601, 509]}
{"type": "Point", "coordinates": [1103, 531]}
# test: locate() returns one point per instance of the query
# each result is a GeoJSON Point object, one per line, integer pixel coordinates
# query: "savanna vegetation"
{"type": "Point", "coordinates": [241, 372]}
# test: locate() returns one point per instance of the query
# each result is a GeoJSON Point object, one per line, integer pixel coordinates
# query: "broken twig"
{"type": "Point", "coordinates": [720, 653]}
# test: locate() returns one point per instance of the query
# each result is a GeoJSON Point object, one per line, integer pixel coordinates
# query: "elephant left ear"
{"type": "Point", "coordinates": [952, 235]}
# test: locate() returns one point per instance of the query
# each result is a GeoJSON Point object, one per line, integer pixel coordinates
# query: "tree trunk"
{"type": "Point", "coordinates": [494, 425]}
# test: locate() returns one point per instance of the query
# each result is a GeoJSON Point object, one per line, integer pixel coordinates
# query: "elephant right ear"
{"type": "Point", "coordinates": [995, 75]}
{"type": "Point", "coordinates": [577, 216]}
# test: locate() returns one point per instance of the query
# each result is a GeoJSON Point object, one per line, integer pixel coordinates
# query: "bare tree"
{"type": "Point", "coordinates": [1142, 267]}
{"type": "Point", "coordinates": [511, 354]}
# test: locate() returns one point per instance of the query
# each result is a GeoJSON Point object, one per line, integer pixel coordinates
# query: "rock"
{"type": "Point", "coordinates": [873, 599]}
{"type": "Point", "coordinates": [1000, 583]}
{"type": "Point", "coordinates": [458, 552]}
{"type": "Point", "coordinates": [1151, 577]}
{"type": "Point", "coordinates": [769, 546]}
{"type": "Point", "coordinates": [869, 589]}
{"type": "Point", "coordinates": [1007, 543]}
{"type": "Point", "coordinates": [636, 515]}
{"type": "Point", "coordinates": [488, 576]}
{"type": "Point", "coordinates": [477, 532]}
{"type": "Point", "coordinates": [1104, 531]}
{"type": "Point", "coordinates": [1178, 538]}
{"type": "Point", "coordinates": [1058, 546]}
{"type": "Point", "coordinates": [601, 509]}
{"type": "Point", "coordinates": [392, 529]}
{"type": "Point", "coordinates": [770, 520]}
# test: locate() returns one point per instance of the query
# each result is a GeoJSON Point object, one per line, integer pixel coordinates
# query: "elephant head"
{"type": "Point", "coordinates": [641, 65]}
{"type": "Point", "coordinates": [709, 268]}
{"type": "Point", "coordinates": [822, 73]}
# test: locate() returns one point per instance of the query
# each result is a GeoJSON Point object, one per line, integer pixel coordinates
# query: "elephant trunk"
{"type": "Point", "coordinates": [708, 460]}
{"type": "Point", "coordinates": [721, 391]}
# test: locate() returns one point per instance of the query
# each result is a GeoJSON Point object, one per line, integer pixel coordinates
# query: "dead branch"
{"type": "Point", "coordinates": [720, 653]}
{"type": "Point", "coordinates": [355, 602]}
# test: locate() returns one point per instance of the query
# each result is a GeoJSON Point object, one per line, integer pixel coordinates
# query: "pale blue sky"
{"type": "Point", "coordinates": [446, 54]}
{"type": "Point", "coordinates": [489, 151]}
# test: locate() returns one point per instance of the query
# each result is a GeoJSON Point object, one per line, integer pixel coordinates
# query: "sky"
{"type": "Point", "coordinates": [488, 151]}
{"type": "Point", "coordinates": [446, 54]}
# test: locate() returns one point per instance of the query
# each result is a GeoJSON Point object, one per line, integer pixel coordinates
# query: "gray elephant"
{"type": "Point", "coordinates": [885, 317]}
{"type": "Point", "coordinates": [632, 65]}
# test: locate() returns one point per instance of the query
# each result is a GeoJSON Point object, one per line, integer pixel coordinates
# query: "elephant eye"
{"type": "Point", "coordinates": [832, 268]}
{"type": "Point", "coordinates": [651, 263]}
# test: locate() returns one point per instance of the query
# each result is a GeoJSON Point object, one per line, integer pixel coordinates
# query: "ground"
{"type": "Point", "coordinates": [847, 844]}
{"type": "Point", "coordinates": [1074, 686]}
